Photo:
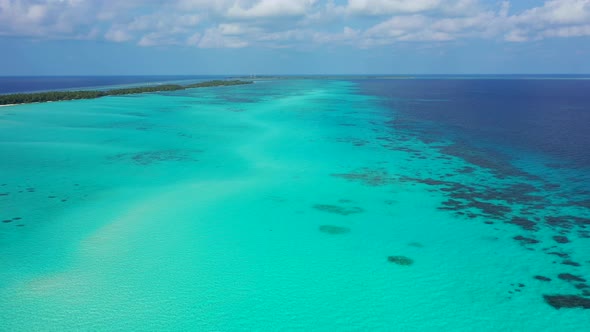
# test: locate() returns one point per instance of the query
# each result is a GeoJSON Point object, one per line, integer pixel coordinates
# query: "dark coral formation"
{"type": "Point", "coordinates": [337, 209]}
{"type": "Point", "coordinates": [466, 199]}
{"type": "Point", "coordinates": [567, 301]}
{"type": "Point", "coordinates": [567, 222]}
{"type": "Point", "coordinates": [400, 260]}
{"type": "Point", "coordinates": [583, 203]}
{"type": "Point", "coordinates": [354, 141]}
{"type": "Point", "coordinates": [466, 170]}
{"type": "Point", "coordinates": [558, 254]}
{"type": "Point", "coordinates": [488, 159]}
{"type": "Point", "coordinates": [561, 239]}
{"type": "Point", "coordinates": [490, 188]}
{"type": "Point", "coordinates": [570, 277]}
{"type": "Point", "coordinates": [526, 240]}
{"type": "Point", "coordinates": [524, 223]}
{"type": "Point", "coordinates": [517, 288]}
{"type": "Point", "coordinates": [152, 157]}
{"type": "Point", "coordinates": [368, 176]}
{"type": "Point", "coordinates": [571, 263]}
{"type": "Point", "coordinates": [334, 230]}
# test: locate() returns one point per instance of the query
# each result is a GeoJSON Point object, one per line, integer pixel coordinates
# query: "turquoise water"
{"type": "Point", "coordinates": [273, 206]}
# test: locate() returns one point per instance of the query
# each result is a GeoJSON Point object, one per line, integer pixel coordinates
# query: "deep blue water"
{"type": "Point", "coordinates": [45, 83]}
{"type": "Point", "coordinates": [549, 117]}
{"type": "Point", "coordinates": [526, 148]}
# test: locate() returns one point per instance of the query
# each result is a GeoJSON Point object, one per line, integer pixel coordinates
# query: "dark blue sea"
{"type": "Point", "coordinates": [546, 116]}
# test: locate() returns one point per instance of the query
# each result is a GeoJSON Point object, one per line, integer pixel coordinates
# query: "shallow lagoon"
{"type": "Point", "coordinates": [278, 206]}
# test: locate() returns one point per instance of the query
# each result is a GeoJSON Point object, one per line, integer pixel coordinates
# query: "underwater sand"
{"type": "Point", "coordinates": [274, 206]}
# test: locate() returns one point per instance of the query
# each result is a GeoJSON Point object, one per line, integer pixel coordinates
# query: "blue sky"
{"type": "Point", "coordinates": [88, 37]}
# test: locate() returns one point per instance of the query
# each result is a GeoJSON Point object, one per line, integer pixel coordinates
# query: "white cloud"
{"type": "Point", "coordinates": [193, 39]}
{"type": "Point", "coordinates": [504, 9]}
{"type": "Point", "coordinates": [291, 23]}
{"type": "Point", "coordinates": [388, 7]}
{"type": "Point", "coordinates": [347, 36]}
{"type": "Point", "coordinates": [156, 39]}
{"type": "Point", "coordinates": [516, 36]}
{"type": "Point", "coordinates": [421, 27]}
{"type": "Point", "coordinates": [237, 29]}
{"type": "Point", "coordinates": [282, 36]}
{"type": "Point", "coordinates": [557, 12]}
{"type": "Point", "coordinates": [51, 18]}
{"type": "Point", "coordinates": [397, 26]}
{"type": "Point", "coordinates": [394, 7]}
{"type": "Point", "coordinates": [118, 35]}
{"type": "Point", "coordinates": [571, 31]}
{"type": "Point", "coordinates": [554, 19]}
{"type": "Point", "coordinates": [214, 38]}
{"type": "Point", "coordinates": [270, 8]}
{"type": "Point", "coordinates": [165, 21]}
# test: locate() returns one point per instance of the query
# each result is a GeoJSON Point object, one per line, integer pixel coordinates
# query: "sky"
{"type": "Point", "coordinates": [265, 37]}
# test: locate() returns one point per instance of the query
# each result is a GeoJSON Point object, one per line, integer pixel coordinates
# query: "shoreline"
{"type": "Point", "coordinates": [41, 97]}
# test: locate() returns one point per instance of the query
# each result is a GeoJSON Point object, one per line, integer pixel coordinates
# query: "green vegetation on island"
{"type": "Point", "coordinates": [25, 98]}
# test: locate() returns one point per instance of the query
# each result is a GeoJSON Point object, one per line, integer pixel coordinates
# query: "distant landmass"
{"type": "Point", "coordinates": [26, 98]}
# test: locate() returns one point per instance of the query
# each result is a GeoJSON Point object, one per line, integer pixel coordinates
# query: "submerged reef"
{"type": "Point", "coordinates": [542, 278]}
{"type": "Point", "coordinates": [561, 239]}
{"type": "Point", "coordinates": [337, 209]}
{"type": "Point", "coordinates": [570, 277]}
{"type": "Point", "coordinates": [367, 176]}
{"type": "Point", "coordinates": [510, 196]}
{"type": "Point", "coordinates": [567, 301]}
{"type": "Point", "coordinates": [400, 260]}
{"type": "Point", "coordinates": [150, 157]}
{"type": "Point", "coordinates": [541, 211]}
{"type": "Point", "coordinates": [526, 240]}
{"type": "Point", "coordinates": [334, 230]}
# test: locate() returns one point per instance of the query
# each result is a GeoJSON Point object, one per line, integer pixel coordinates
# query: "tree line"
{"type": "Point", "coordinates": [25, 98]}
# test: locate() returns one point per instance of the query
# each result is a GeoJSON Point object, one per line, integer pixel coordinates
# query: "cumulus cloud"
{"type": "Point", "coordinates": [388, 7]}
{"type": "Point", "coordinates": [291, 23]}
{"type": "Point", "coordinates": [118, 34]}
{"type": "Point", "coordinates": [554, 19]}
{"type": "Point", "coordinates": [215, 38]}
{"type": "Point", "coordinates": [571, 31]}
{"type": "Point", "coordinates": [399, 7]}
{"type": "Point", "coordinates": [42, 18]}
{"type": "Point", "coordinates": [270, 9]}
{"type": "Point", "coordinates": [557, 12]}
{"type": "Point", "coordinates": [347, 35]}
{"type": "Point", "coordinates": [516, 35]}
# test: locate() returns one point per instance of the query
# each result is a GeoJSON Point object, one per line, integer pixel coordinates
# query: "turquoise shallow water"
{"type": "Point", "coordinates": [273, 206]}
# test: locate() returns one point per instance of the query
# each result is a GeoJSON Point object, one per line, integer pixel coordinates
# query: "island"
{"type": "Point", "coordinates": [26, 98]}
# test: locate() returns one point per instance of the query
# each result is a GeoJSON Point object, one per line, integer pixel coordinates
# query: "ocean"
{"type": "Point", "coordinates": [427, 204]}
